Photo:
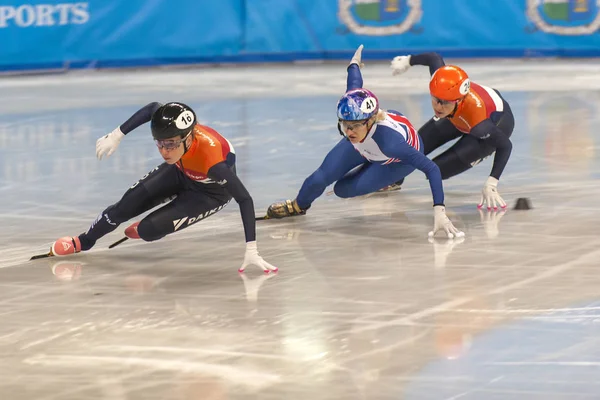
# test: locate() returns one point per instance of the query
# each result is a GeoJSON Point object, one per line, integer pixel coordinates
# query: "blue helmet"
{"type": "Point", "coordinates": [356, 105]}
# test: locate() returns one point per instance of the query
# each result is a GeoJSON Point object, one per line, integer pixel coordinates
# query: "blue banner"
{"type": "Point", "coordinates": [517, 27]}
{"type": "Point", "coordinates": [98, 33]}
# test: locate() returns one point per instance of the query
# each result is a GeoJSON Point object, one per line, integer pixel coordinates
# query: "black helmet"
{"type": "Point", "coordinates": [172, 119]}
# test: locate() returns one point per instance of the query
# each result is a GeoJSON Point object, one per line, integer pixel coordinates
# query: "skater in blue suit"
{"type": "Point", "coordinates": [384, 144]}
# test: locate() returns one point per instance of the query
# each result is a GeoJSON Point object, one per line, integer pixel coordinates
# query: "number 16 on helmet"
{"type": "Point", "coordinates": [171, 120]}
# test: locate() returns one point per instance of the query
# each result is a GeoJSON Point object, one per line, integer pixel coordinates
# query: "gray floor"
{"type": "Point", "coordinates": [364, 306]}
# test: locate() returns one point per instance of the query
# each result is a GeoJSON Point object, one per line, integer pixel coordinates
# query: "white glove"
{"type": "Point", "coordinates": [253, 258]}
{"type": "Point", "coordinates": [400, 64]}
{"type": "Point", "coordinates": [490, 196]}
{"type": "Point", "coordinates": [107, 144]}
{"type": "Point", "coordinates": [443, 223]}
{"type": "Point", "coordinates": [357, 58]}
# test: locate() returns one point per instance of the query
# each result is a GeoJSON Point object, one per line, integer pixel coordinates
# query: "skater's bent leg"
{"type": "Point", "coordinates": [188, 208]}
{"type": "Point", "coordinates": [341, 159]}
{"type": "Point", "coordinates": [153, 189]}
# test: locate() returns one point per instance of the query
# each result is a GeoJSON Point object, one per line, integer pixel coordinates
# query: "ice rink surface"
{"type": "Point", "coordinates": [364, 305]}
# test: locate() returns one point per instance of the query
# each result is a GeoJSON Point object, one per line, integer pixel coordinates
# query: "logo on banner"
{"type": "Point", "coordinates": [565, 17]}
{"type": "Point", "coordinates": [26, 15]}
{"type": "Point", "coordinates": [380, 17]}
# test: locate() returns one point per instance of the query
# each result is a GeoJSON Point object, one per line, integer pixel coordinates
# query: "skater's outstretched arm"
{"type": "Point", "coordinates": [140, 117]}
{"type": "Point", "coordinates": [488, 131]}
{"type": "Point", "coordinates": [355, 80]}
{"type": "Point", "coordinates": [107, 144]}
{"type": "Point", "coordinates": [224, 176]}
{"type": "Point", "coordinates": [394, 146]}
{"type": "Point", "coordinates": [431, 60]}
{"type": "Point", "coordinates": [401, 64]}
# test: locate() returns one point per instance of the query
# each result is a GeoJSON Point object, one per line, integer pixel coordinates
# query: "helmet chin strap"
{"type": "Point", "coordinates": [372, 123]}
{"type": "Point", "coordinates": [185, 146]}
{"type": "Point", "coordinates": [455, 108]}
{"type": "Point", "coordinates": [339, 126]}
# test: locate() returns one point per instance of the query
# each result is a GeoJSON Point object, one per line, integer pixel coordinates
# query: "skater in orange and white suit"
{"type": "Point", "coordinates": [476, 114]}
{"type": "Point", "coordinates": [197, 179]}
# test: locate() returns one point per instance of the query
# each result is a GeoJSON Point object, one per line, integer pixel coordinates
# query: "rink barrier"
{"type": "Point", "coordinates": [55, 35]}
{"type": "Point", "coordinates": [290, 58]}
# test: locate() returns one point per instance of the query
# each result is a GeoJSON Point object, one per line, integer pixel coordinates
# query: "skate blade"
{"type": "Point", "coordinates": [382, 192]}
{"type": "Point", "coordinates": [118, 242]}
{"type": "Point", "coordinates": [262, 218]}
{"type": "Point", "coordinates": [49, 254]}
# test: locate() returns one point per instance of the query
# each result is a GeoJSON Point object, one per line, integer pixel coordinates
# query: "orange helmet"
{"type": "Point", "coordinates": [449, 83]}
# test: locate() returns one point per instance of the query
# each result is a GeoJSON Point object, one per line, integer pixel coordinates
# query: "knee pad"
{"type": "Point", "coordinates": [148, 231]}
{"type": "Point", "coordinates": [341, 190]}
